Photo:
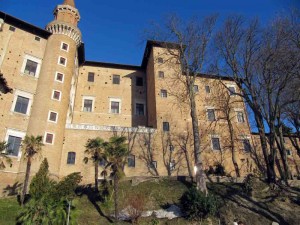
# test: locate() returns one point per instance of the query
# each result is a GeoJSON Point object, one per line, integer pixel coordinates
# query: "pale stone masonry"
{"type": "Point", "coordinates": [67, 99]}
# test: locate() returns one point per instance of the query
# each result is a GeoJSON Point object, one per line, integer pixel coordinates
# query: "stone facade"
{"type": "Point", "coordinates": [67, 99]}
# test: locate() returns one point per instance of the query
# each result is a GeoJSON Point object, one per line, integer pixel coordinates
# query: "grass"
{"type": "Point", "coordinates": [9, 209]}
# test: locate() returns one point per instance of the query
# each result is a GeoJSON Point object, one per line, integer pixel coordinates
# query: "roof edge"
{"type": "Point", "coordinates": [111, 65]}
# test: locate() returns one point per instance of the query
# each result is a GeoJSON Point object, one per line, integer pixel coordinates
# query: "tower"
{"type": "Point", "coordinates": [52, 98]}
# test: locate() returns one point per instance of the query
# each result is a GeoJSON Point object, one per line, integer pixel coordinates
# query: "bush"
{"type": "Point", "coordinates": [135, 206]}
{"type": "Point", "coordinates": [196, 205]}
{"type": "Point", "coordinates": [217, 170]}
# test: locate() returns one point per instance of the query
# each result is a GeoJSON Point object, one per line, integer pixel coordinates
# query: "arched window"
{"type": "Point", "coordinates": [71, 158]}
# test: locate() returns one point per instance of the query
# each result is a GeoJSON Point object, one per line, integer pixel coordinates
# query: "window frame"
{"type": "Point", "coordinates": [66, 61]}
{"type": "Point", "coordinates": [52, 95]}
{"type": "Point", "coordinates": [71, 160]}
{"type": "Point", "coordinates": [115, 100]}
{"type": "Point", "coordinates": [34, 59]}
{"type": "Point", "coordinates": [61, 46]}
{"type": "Point", "coordinates": [45, 138]}
{"type": "Point", "coordinates": [197, 88]}
{"type": "Point", "coordinates": [136, 81]}
{"type": "Point", "coordinates": [237, 116]}
{"type": "Point", "coordinates": [160, 60]}
{"type": "Point", "coordinates": [214, 114]}
{"type": "Point", "coordinates": [88, 98]}
{"type": "Point", "coordinates": [161, 74]}
{"type": "Point", "coordinates": [129, 158]}
{"type": "Point", "coordinates": [25, 95]}
{"type": "Point", "coordinates": [15, 133]}
{"type": "Point", "coordinates": [207, 89]}
{"type": "Point", "coordinates": [93, 76]}
{"type": "Point", "coordinates": [153, 164]}
{"type": "Point", "coordinates": [56, 118]}
{"type": "Point", "coordinates": [212, 143]}
{"type": "Point", "coordinates": [166, 126]}
{"type": "Point", "coordinates": [231, 94]}
{"type": "Point", "coordinates": [116, 76]}
{"type": "Point", "coordinates": [63, 77]}
{"type": "Point", "coordinates": [163, 93]}
{"type": "Point", "coordinates": [144, 108]}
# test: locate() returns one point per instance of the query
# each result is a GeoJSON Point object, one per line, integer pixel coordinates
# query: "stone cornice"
{"type": "Point", "coordinates": [67, 8]}
{"type": "Point", "coordinates": [58, 27]}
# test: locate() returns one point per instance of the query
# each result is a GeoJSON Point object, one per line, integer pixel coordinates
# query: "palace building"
{"type": "Point", "coordinates": [67, 99]}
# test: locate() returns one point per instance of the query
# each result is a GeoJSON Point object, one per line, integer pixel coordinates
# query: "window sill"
{"type": "Point", "coordinates": [19, 114]}
{"type": "Point", "coordinates": [35, 77]}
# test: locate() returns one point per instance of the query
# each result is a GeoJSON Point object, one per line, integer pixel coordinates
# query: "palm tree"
{"type": "Point", "coordinates": [117, 151]}
{"type": "Point", "coordinates": [3, 155]}
{"type": "Point", "coordinates": [95, 151]}
{"type": "Point", "coordinates": [31, 145]}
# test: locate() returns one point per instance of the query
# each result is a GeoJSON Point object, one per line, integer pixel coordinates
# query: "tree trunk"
{"type": "Point", "coordinates": [26, 181]}
{"type": "Point", "coordinates": [96, 176]}
{"type": "Point", "coordinates": [116, 188]}
{"type": "Point", "coordinates": [279, 167]}
{"type": "Point", "coordinates": [200, 175]}
{"type": "Point", "coordinates": [233, 154]}
{"type": "Point", "coordinates": [188, 163]}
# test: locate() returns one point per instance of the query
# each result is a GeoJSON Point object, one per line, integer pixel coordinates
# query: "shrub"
{"type": "Point", "coordinates": [219, 170]}
{"type": "Point", "coordinates": [135, 207]}
{"type": "Point", "coordinates": [248, 184]}
{"type": "Point", "coordinates": [196, 205]}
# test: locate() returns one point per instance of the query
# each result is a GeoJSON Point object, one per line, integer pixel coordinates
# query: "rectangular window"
{"type": "Point", "coordinates": [102, 162]}
{"type": "Point", "coordinates": [49, 138]}
{"type": "Point", "coordinates": [37, 38]}
{"type": "Point", "coordinates": [215, 143]}
{"type": "Point", "coordinates": [131, 161]}
{"type": "Point", "coordinates": [56, 95]}
{"type": "Point", "coordinates": [153, 164]}
{"type": "Point", "coordinates": [160, 60]}
{"type": "Point", "coordinates": [139, 109]}
{"type": "Point", "coordinates": [139, 81]}
{"type": "Point", "coordinates": [163, 93]}
{"type": "Point", "coordinates": [71, 158]}
{"type": "Point", "coordinates": [52, 116]}
{"type": "Point", "coordinates": [31, 67]}
{"type": "Point", "coordinates": [211, 115]}
{"type": "Point", "coordinates": [115, 107]}
{"type": "Point", "coordinates": [161, 74]}
{"type": "Point", "coordinates": [116, 79]}
{"type": "Point", "coordinates": [14, 144]}
{"type": "Point", "coordinates": [87, 105]}
{"type": "Point", "coordinates": [172, 165]}
{"type": "Point", "coordinates": [64, 46]}
{"type": "Point", "coordinates": [166, 126]}
{"type": "Point", "coordinates": [196, 89]}
{"type": "Point", "coordinates": [11, 28]}
{"type": "Point", "coordinates": [62, 61]}
{"type": "Point", "coordinates": [21, 105]}
{"type": "Point", "coordinates": [91, 77]}
{"type": "Point", "coordinates": [231, 90]}
{"type": "Point", "coordinates": [247, 145]}
{"type": "Point", "coordinates": [288, 152]}
{"type": "Point", "coordinates": [240, 117]}
{"type": "Point", "coordinates": [59, 77]}
{"type": "Point", "coordinates": [207, 89]}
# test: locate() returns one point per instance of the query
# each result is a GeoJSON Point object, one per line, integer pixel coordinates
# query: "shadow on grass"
{"type": "Point", "coordinates": [94, 198]}
{"type": "Point", "coordinates": [11, 190]}
{"type": "Point", "coordinates": [234, 193]}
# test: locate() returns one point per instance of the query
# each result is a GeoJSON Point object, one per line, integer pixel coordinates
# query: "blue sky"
{"type": "Point", "coordinates": [113, 30]}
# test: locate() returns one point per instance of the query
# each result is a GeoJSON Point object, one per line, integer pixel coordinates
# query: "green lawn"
{"type": "Point", "coordinates": [9, 208]}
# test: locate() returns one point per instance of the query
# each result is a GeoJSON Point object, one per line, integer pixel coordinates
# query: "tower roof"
{"type": "Point", "coordinates": [69, 2]}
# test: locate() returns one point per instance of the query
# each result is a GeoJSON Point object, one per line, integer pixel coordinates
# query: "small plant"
{"type": "Point", "coordinates": [135, 207]}
{"type": "Point", "coordinates": [196, 205]}
{"type": "Point", "coordinates": [248, 184]}
{"type": "Point", "coordinates": [219, 170]}
{"type": "Point", "coordinates": [154, 221]}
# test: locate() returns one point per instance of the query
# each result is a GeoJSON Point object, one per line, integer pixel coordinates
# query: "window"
{"type": "Point", "coordinates": [37, 38]}
{"type": "Point", "coordinates": [22, 102]}
{"type": "Point", "coordinates": [139, 109]}
{"type": "Point", "coordinates": [64, 46]}
{"type": "Point", "coordinates": [247, 146]}
{"type": "Point", "coordinates": [161, 74]}
{"type": "Point", "coordinates": [240, 117]}
{"type": "Point", "coordinates": [14, 144]}
{"type": "Point", "coordinates": [115, 107]}
{"type": "Point", "coordinates": [102, 162]}
{"type": "Point", "coordinates": [31, 66]}
{"type": "Point", "coordinates": [62, 61]}
{"type": "Point", "coordinates": [49, 138]}
{"type": "Point", "coordinates": [131, 161]}
{"type": "Point", "coordinates": [56, 95]}
{"type": "Point", "coordinates": [11, 28]}
{"type": "Point", "coordinates": [166, 126]}
{"type": "Point", "coordinates": [288, 152]}
{"type": "Point", "coordinates": [14, 139]}
{"type": "Point", "coordinates": [87, 105]}
{"type": "Point", "coordinates": [52, 116]}
{"type": "Point", "coordinates": [59, 77]}
{"type": "Point", "coordinates": [215, 143]}
{"type": "Point", "coordinates": [196, 88]}
{"type": "Point", "coordinates": [163, 93]}
{"type": "Point", "coordinates": [116, 79]}
{"type": "Point", "coordinates": [172, 165]}
{"type": "Point", "coordinates": [139, 81]}
{"type": "Point", "coordinates": [160, 60]}
{"type": "Point", "coordinates": [21, 105]}
{"type": "Point", "coordinates": [91, 77]}
{"type": "Point", "coordinates": [153, 164]}
{"type": "Point", "coordinates": [211, 115]}
{"type": "Point", "coordinates": [207, 89]}
{"type": "Point", "coordinates": [231, 90]}
{"type": "Point", "coordinates": [71, 158]}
